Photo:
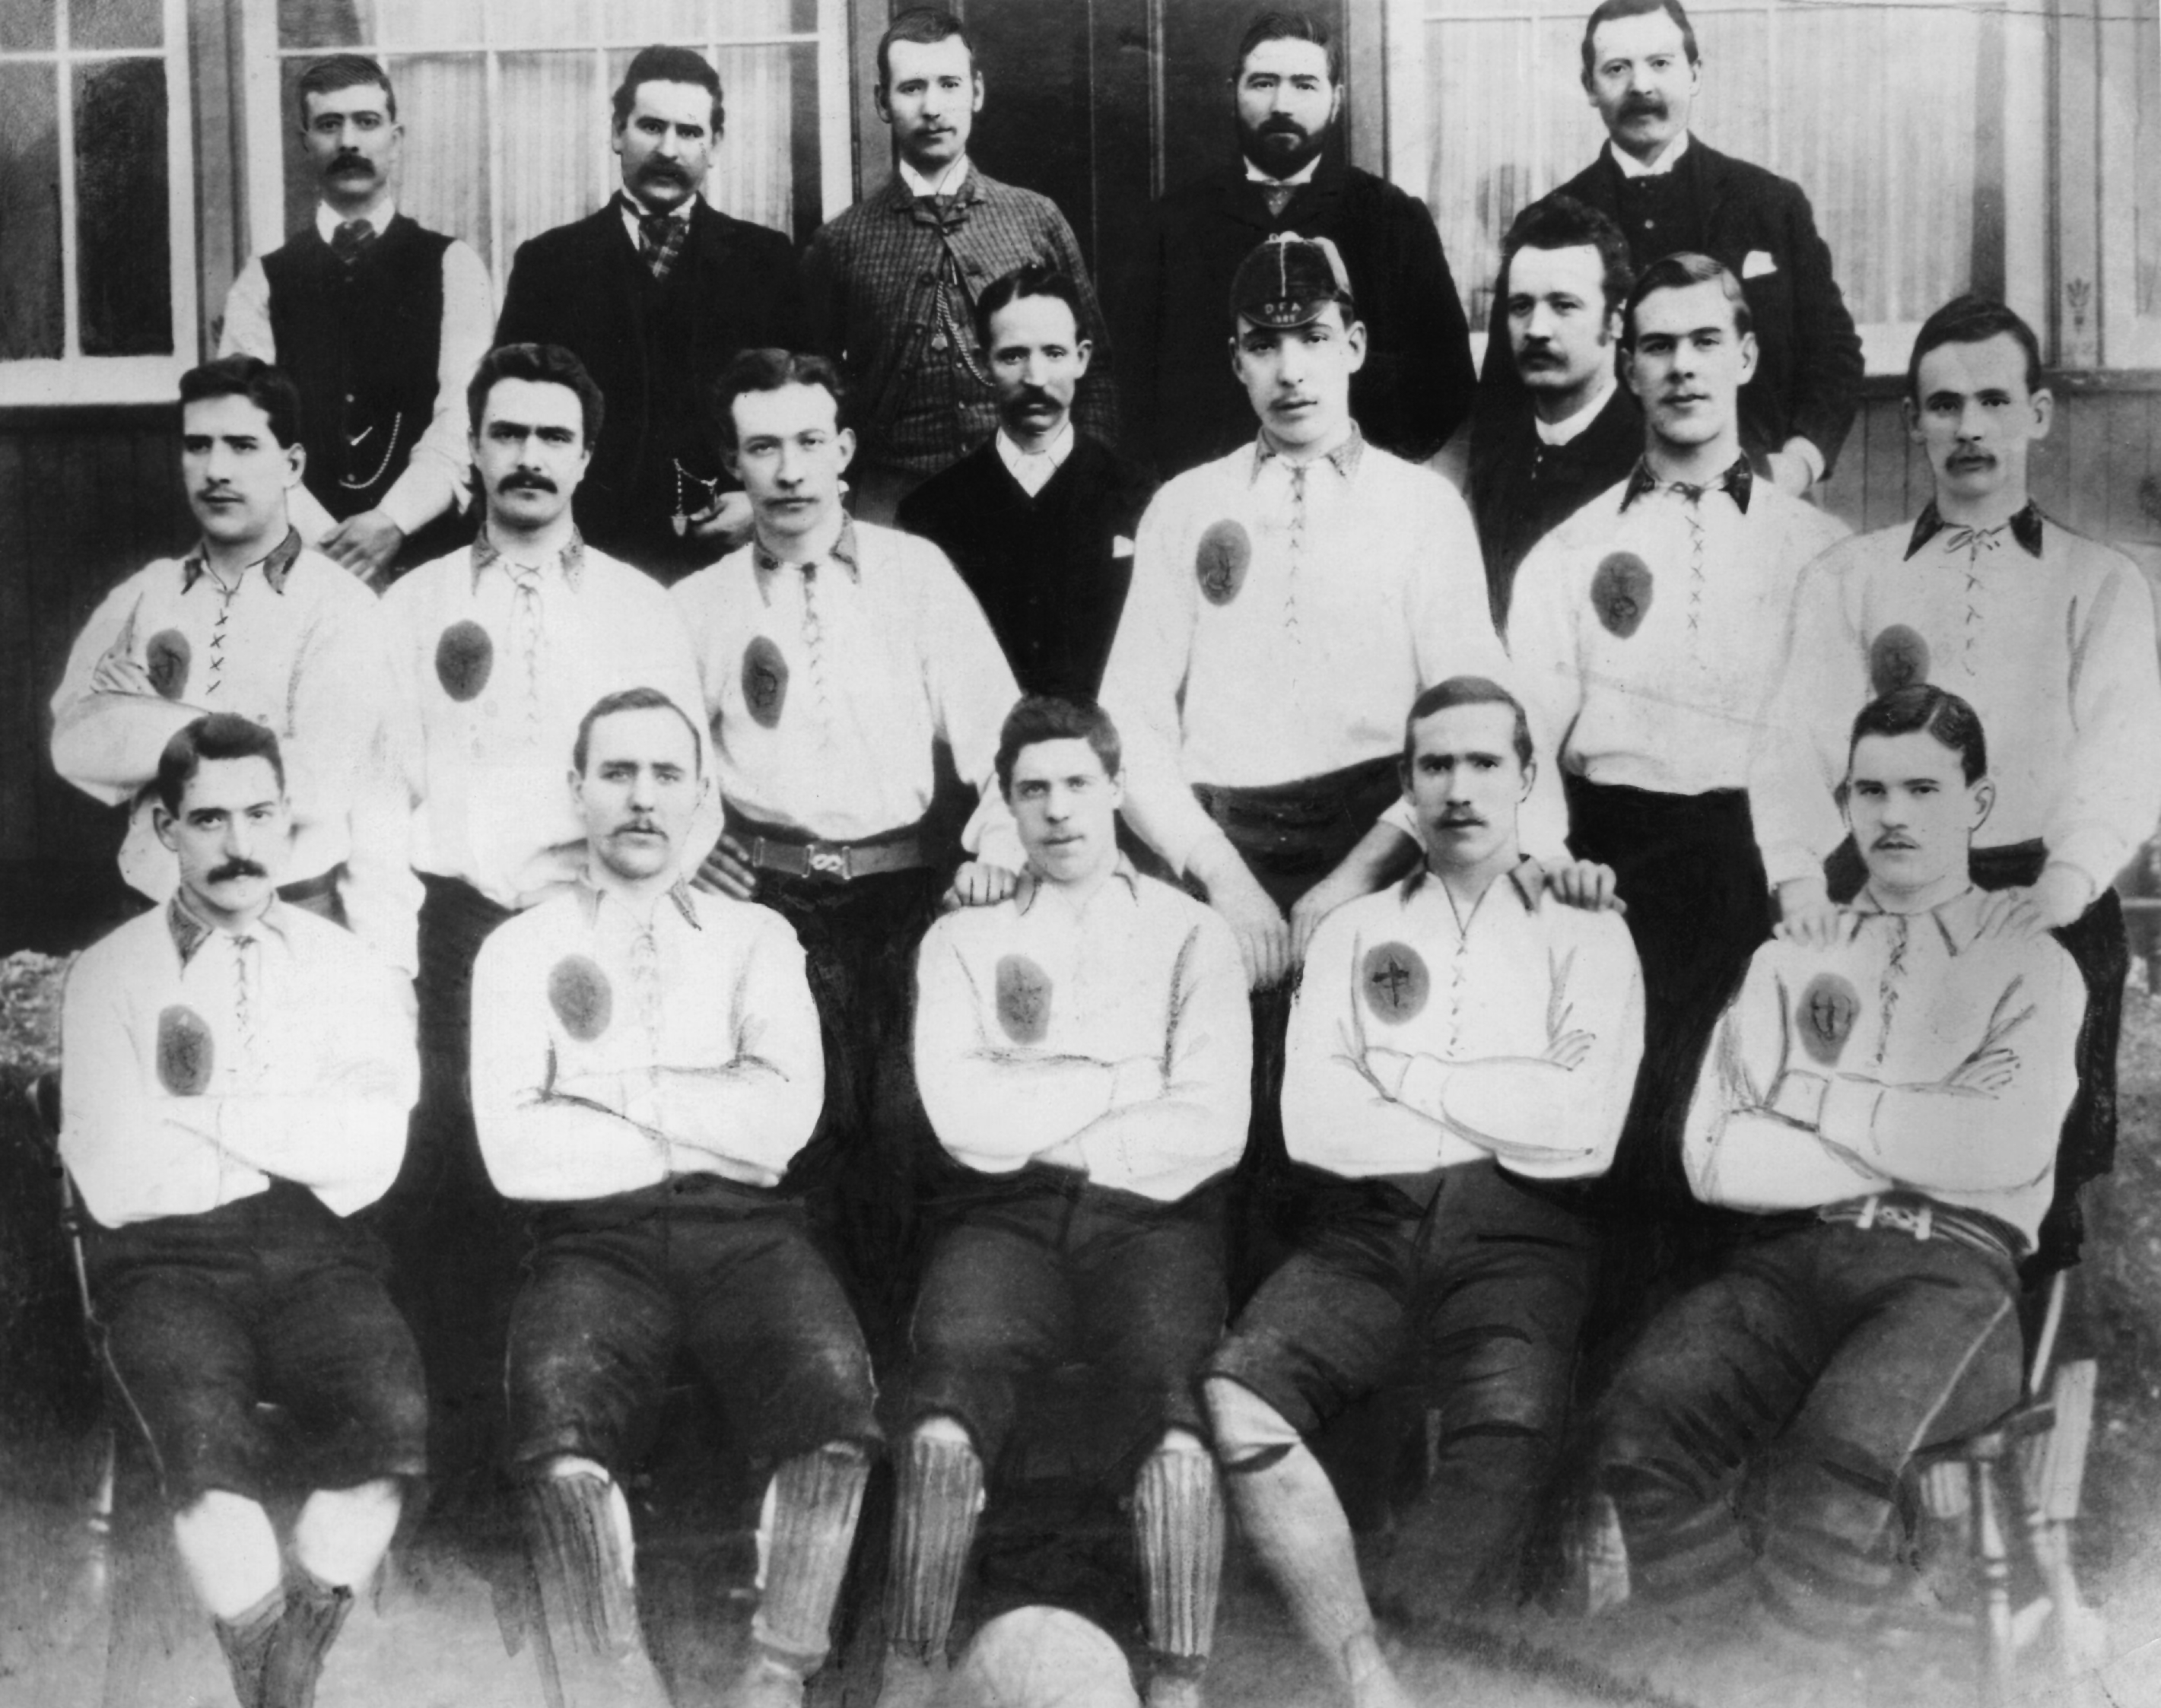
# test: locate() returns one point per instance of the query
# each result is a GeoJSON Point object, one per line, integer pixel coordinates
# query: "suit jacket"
{"type": "Point", "coordinates": [1809, 364]}
{"type": "Point", "coordinates": [1048, 570]}
{"type": "Point", "coordinates": [1173, 308]}
{"type": "Point", "coordinates": [585, 286]}
{"type": "Point", "coordinates": [1521, 488]}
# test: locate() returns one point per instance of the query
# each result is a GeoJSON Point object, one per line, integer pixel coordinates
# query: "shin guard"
{"type": "Point", "coordinates": [1178, 1530]}
{"type": "Point", "coordinates": [314, 1613]}
{"type": "Point", "coordinates": [940, 1496]}
{"type": "Point", "coordinates": [585, 1591]}
{"type": "Point", "coordinates": [246, 1643]}
{"type": "Point", "coordinates": [817, 1498]}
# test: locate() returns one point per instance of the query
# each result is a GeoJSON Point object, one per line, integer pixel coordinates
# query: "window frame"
{"type": "Point", "coordinates": [265, 116]}
{"type": "Point", "coordinates": [71, 378]}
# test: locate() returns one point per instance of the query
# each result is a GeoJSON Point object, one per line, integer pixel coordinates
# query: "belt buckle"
{"type": "Point", "coordinates": [1919, 1222]}
{"type": "Point", "coordinates": [827, 862]}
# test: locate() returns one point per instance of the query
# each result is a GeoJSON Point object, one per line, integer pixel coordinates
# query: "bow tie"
{"type": "Point", "coordinates": [350, 239]}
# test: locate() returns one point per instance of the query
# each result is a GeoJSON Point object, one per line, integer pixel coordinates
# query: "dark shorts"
{"type": "Point", "coordinates": [1042, 1268]}
{"type": "Point", "coordinates": [617, 1287]}
{"type": "Point", "coordinates": [270, 1298]}
{"type": "Point", "coordinates": [1477, 1300]}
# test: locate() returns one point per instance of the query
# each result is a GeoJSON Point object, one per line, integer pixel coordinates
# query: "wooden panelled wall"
{"type": "Point", "coordinates": [86, 496]}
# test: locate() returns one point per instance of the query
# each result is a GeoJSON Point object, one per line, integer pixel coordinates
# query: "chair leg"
{"type": "Point", "coordinates": [1991, 1547]}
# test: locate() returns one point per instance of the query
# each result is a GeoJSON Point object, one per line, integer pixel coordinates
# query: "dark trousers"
{"type": "Point", "coordinates": [871, 1159]}
{"type": "Point", "coordinates": [1041, 1268]}
{"type": "Point", "coordinates": [454, 1239]}
{"type": "Point", "coordinates": [1474, 1304]}
{"type": "Point", "coordinates": [1290, 835]}
{"type": "Point", "coordinates": [1769, 1420]}
{"type": "Point", "coordinates": [2096, 941]}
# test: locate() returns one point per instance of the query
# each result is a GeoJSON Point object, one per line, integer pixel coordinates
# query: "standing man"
{"type": "Point", "coordinates": [1462, 1041]}
{"type": "Point", "coordinates": [1670, 192]}
{"type": "Point", "coordinates": [1540, 451]}
{"type": "Point", "coordinates": [250, 621]}
{"type": "Point", "coordinates": [891, 282]}
{"type": "Point", "coordinates": [1416, 386]}
{"type": "Point", "coordinates": [835, 655]}
{"type": "Point", "coordinates": [1040, 519]}
{"type": "Point", "coordinates": [1646, 632]}
{"type": "Point", "coordinates": [379, 321]}
{"type": "Point", "coordinates": [493, 651]}
{"type": "Point", "coordinates": [238, 1077]}
{"type": "Point", "coordinates": [645, 1067]}
{"type": "Point", "coordinates": [2048, 635]}
{"type": "Point", "coordinates": [655, 295]}
{"type": "Point", "coordinates": [1084, 1055]}
{"type": "Point", "coordinates": [1882, 1109]}
{"type": "Point", "coordinates": [1288, 600]}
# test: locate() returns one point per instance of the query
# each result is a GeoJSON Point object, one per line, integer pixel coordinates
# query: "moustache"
{"type": "Point", "coordinates": [662, 172]}
{"type": "Point", "coordinates": [537, 483]}
{"type": "Point", "coordinates": [236, 868]}
{"type": "Point", "coordinates": [349, 159]}
{"type": "Point", "coordinates": [1032, 397]}
{"type": "Point", "coordinates": [1461, 822]}
{"type": "Point", "coordinates": [1643, 106]}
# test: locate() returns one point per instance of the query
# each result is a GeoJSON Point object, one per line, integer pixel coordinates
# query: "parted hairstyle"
{"type": "Point", "coordinates": [631, 700]}
{"type": "Point", "coordinates": [542, 364]}
{"type": "Point", "coordinates": [1972, 320]}
{"type": "Point", "coordinates": [1288, 26]}
{"type": "Point", "coordinates": [336, 71]}
{"type": "Point", "coordinates": [215, 735]}
{"type": "Point", "coordinates": [1056, 717]}
{"type": "Point", "coordinates": [1465, 691]}
{"type": "Point", "coordinates": [1032, 278]}
{"type": "Point", "coordinates": [925, 26]}
{"type": "Point", "coordinates": [660, 64]}
{"type": "Point", "coordinates": [1611, 9]}
{"type": "Point", "coordinates": [1559, 221]}
{"type": "Point", "coordinates": [1677, 272]}
{"type": "Point", "coordinates": [768, 370]}
{"type": "Point", "coordinates": [270, 390]}
{"type": "Point", "coordinates": [1923, 706]}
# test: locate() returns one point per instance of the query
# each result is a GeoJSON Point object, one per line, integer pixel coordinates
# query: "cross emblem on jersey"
{"type": "Point", "coordinates": [1394, 978]}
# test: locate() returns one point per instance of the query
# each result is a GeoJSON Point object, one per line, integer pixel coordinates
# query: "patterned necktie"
{"type": "Point", "coordinates": [657, 240]}
{"type": "Point", "coordinates": [351, 240]}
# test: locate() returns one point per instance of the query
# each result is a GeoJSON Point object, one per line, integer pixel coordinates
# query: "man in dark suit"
{"type": "Point", "coordinates": [655, 295]}
{"type": "Point", "coordinates": [1670, 192]}
{"type": "Point", "coordinates": [1569, 430]}
{"type": "Point", "coordinates": [1039, 518]}
{"type": "Point", "coordinates": [1417, 384]}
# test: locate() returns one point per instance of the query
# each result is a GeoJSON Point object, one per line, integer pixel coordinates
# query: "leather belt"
{"type": "Point", "coordinates": [835, 863]}
{"type": "Point", "coordinates": [1924, 1219]}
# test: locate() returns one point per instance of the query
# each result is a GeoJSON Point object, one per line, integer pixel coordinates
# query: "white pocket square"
{"type": "Point", "coordinates": [1121, 547]}
{"type": "Point", "coordinates": [1757, 263]}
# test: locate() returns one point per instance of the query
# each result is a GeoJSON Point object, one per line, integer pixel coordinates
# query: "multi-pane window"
{"type": "Point", "coordinates": [96, 204]}
{"type": "Point", "coordinates": [506, 107]}
{"type": "Point", "coordinates": [1918, 130]}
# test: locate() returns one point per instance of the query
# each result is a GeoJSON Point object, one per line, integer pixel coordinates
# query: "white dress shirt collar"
{"type": "Point", "coordinates": [1572, 426]}
{"type": "Point", "coordinates": [328, 219]}
{"type": "Point", "coordinates": [1630, 167]}
{"type": "Point", "coordinates": [947, 183]}
{"type": "Point", "coordinates": [1303, 175]}
{"type": "Point", "coordinates": [1033, 469]}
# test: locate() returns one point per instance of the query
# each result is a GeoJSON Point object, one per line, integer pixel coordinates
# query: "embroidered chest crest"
{"type": "Point", "coordinates": [578, 991]}
{"type": "Point", "coordinates": [1829, 1007]}
{"type": "Point", "coordinates": [167, 659]}
{"type": "Point", "coordinates": [1220, 561]}
{"type": "Point", "coordinates": [185, 1052]}
{"type": "Point", "coordinates": [1897, 657]}
{"type": "Point", "coordinates": [1023, 997]}
{"type": "Point", "coordinates": [1621, 593]}
{"type": "Point", "coordinates": [465, 656]}
{"type": "Point", "coordinates": [1395, 982]}
{"type": "Point", "coordinates": [764, 681]}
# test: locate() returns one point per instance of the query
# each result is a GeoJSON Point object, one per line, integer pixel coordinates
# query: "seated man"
{"type": "Point", "coordinates": [646, 1065]}
{"type": "Point", "coordinates": [1461, 1048]}
{"type": "Point", "coordinates": [1888, 1108]}
{"type": "Point", "coordinates": [239, 1073]}
{"type": "Point", "coordinates": [1084, 1055]}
